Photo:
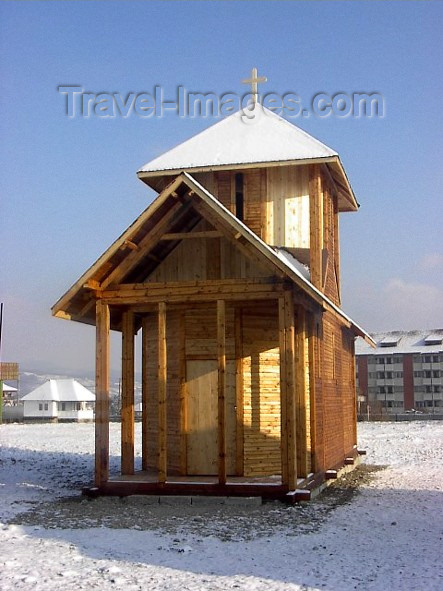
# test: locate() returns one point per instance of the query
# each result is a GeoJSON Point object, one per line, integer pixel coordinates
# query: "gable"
{"type": "Point", "coordinates": [177, 238]}
{"type": "Point", "coordinates": [140, 249]}
{"type": "Point", "coordinates": [202, 259]}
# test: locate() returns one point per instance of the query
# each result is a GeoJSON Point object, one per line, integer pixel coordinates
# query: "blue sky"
{"type": "Point", "coordinates": [68, 186]}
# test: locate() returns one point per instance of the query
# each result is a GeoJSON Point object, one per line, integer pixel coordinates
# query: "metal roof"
{"type": "Point", "coordinates": [62, 390]}
{"type": "Point", "coordinates": [413, 341]}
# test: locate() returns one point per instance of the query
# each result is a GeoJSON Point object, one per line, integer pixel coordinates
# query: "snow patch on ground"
{"type": "Point", "coordinates": [388, 537]}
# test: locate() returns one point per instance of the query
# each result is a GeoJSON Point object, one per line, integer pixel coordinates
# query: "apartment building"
{"type": "Point", "coordinates": [404, 372]}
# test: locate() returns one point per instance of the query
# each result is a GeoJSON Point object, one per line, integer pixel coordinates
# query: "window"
{"type": "Point", "coordinates": [385, 390]}
{"type": "Point", "coordinates": [79, 406]}
{"type": "Point", "coordinates": [46, 406]}
{"type": "Point", "coordinates": [63, 405]}
{"type": "Point", "coordinates": [239, 196]}
{"type": "Point", "coordinates": [418, 374]}
{"type": "Point", "coordinates": [436, 374]}
{"type": "Point", "coordinates": [40, 407]}
{"type": "Point", "coordinates": [398, 374]}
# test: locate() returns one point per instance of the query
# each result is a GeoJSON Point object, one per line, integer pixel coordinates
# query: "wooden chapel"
{"type": "Point", "coordinates": [232, 275]}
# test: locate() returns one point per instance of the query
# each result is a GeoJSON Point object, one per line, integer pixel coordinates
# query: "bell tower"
{"type": "Point", "coordinates": [286, 186]}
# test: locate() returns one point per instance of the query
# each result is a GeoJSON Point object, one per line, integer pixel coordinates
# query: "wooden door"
{"type": "Point", "coordinates": [202, 450]}
{"type": "Point", "coordinates": [202, 424]}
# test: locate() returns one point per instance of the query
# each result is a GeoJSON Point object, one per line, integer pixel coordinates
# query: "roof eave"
{"type": "Point", "coordinates": [146, 174]}
{"type": "Point", "coordinates": [348, 195]}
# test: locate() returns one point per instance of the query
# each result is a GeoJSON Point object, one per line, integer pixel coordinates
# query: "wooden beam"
{"type": "Point", "coordinates": [239, 412]}
{"type": "Point", "coordinates": [92, 285]}
{"type": "Point", "coordinates": [127, 412]}
{"type": "Point", "coordinates": [291, 390]}
{"type": "Point", "coordinates": [221, 284]}
{"type": "Point", "coordinates": [353, 384]}
{"type": "Point", "coordinates": [337, 248]}
{"type": "Point", "coordinates": [130, 295]}
{"type": "Point", "coordinates": [283, 391]}
{"type": "Point", "coordinates": [102, 357]}
{"type": "Point", "coordinates": [150, 240]}
{"type": "Point", "coordinates": [302, 432]}
{"type": "Point", "coordinates": [312, 336]}
{"type": "Point", "coordinates": [130, 244]}
{"type": "Point", "coordinates": [315, 225]}
{"type": "Point", "coordinates": [233, 235]}
{"type": "Point", "coordinates": [187, 235]}
{"type": "Point", "coordinates": [162, 383]}
{"type": "Point", "coordinates": [183, 394]}
{"type": "Point", "coordinates": [145, 391]}
{"type": "Point", "coordinates": [221, 358]}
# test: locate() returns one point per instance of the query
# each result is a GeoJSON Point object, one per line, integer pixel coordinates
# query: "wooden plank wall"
{"type": "Point", "coordinates": [287, 207]}
{"type": "Point", "coordinates": [261, 380]}
{"type": "Point", "coordinates": [253, 200]}
{"type": "Point", "coordinates": [196, 259]}
{"type": "Point", "coordinates": [335, 395]}
{"type": "Point", "coordinates": [330, 276]}
{"type": "Point", "coordinates": [172, 391]}
{"type": "Point", "coordinates": [276, 201]}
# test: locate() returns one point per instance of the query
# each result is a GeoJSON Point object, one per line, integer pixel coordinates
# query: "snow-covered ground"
{"type": "Point", "coordinates": [388, 537]}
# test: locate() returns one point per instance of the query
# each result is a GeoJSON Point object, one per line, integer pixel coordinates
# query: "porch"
{"type": "Point", "coordinates": [226, 402]}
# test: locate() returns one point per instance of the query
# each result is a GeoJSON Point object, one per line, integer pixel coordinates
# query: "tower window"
{"type": "Point", "coordinates": [239, 197]}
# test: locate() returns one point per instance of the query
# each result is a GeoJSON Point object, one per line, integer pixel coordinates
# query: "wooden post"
{"type": "Point", "coordinates": [283, 392]}
{"type": "Point", "coordinates": [353, 384]}
{"type": "Point", "coordinates": [316, 225]}
{"type": "Point", "coordinates": [162, 375]}
{"type": "Point", "coordinates": [302, 435]}
{"type": "Point", "coordinates": [145, 392]}
{"type": "Point", "coordinates": [221, 358]}
{"type": "Point", "coordinates": [312, 336]}
{"type": "Point", "coordinates": [127, 412]}
{"type": "Point", "coordinates": [291, 391]}
{"type": "Point", "coordinates": [183, 397]}
{"type": "Point", "coordinates": [239, 412]}
{"type": "Point", "coordinates": [102, 394]}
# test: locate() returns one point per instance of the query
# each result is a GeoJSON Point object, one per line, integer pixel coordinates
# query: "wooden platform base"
{"type": "Point", "coordinates": [268, 488]}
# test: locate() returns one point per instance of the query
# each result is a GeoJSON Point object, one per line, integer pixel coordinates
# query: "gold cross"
{"type": "Point", "coordinates": [253, 81]}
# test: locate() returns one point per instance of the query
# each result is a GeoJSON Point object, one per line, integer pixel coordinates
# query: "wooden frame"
{"type": "Point", "coordinates": [162, 374]}
{"type": "Point", "coordinates": [102, 352]}
{"type": "Point", "coordinates": [221, 387]}
{"type": "Point", "coordinates": [127, 411]}
{"type": "Point", "coordinates": [288, 391]}
{"type": "Point", "coordinates": [145, 391]}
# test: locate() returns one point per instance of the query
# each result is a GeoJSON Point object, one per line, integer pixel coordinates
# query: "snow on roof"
{"type": "Point", "coordinates": [389, 341]}
{"type": "Point", "coordinates": [288, 258]}
{"type": "Point", "coordinates": [7, 388]}
{"type": "Point", "coordinates": [414, 341]}
{"type": "Point", "coordinates": [248, 137]}
{"type": "Point", "coordinates": [434, 339]}
{"type": "Point", "coordinates": [62, 390]}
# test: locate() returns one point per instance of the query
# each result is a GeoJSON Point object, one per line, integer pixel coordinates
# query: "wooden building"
{"type": "Point", "coordinates": [233, 276]}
